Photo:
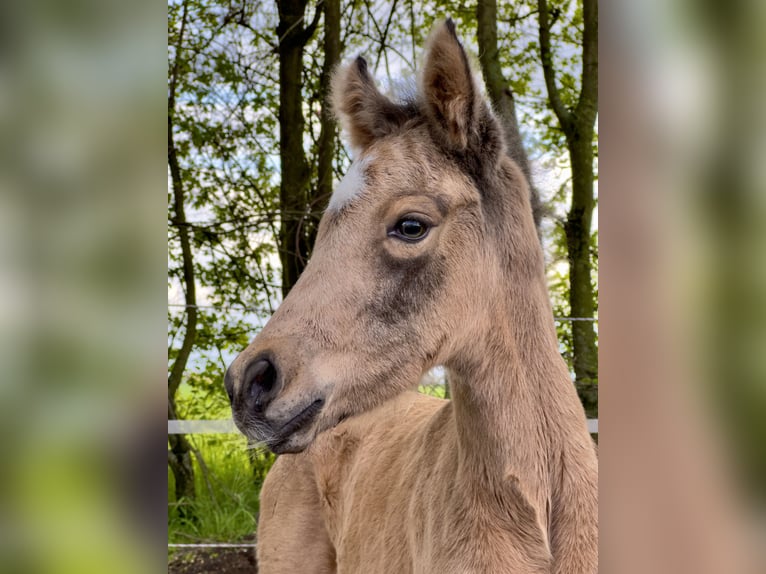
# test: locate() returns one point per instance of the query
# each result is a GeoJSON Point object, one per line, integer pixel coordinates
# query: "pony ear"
{"type": "Point", "coordinates": [452, 99]}
{"type": "Point", "coordinates": [364, 113]}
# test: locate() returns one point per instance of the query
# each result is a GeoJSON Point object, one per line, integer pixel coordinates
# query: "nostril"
{"type": "Point", "coordinates": [261, 377]}
{"type": "Point", "coordinates": [264, 374]}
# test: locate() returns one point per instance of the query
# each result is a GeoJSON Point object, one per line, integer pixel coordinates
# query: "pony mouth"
{"type": "Point", "coordinates": [300, 421]}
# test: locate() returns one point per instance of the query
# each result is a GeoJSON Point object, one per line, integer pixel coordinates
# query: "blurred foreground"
{"type": "Point", "coordinates": [683, 278]}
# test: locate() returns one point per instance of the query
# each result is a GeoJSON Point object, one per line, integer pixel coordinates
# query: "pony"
{"type": "Point", "coordinates": [426, 255]}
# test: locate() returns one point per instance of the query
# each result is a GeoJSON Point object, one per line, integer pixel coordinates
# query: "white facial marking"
{"type": "Point", "coordinates": [351, 185]}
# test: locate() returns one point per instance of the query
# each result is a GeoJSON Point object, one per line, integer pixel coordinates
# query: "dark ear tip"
{"type": "Point", "coordinates": [361, 64]}
{"type": "Point", "coordinates": [451, 27]}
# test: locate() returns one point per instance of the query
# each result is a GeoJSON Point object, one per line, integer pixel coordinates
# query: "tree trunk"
{"type": "Point", "coordinates": [578, 126]}
{"type": "Point", "coordinates": [328, 128]}
{"type": "Point", "coordinates": [501, 96]}
{"type": "Point", "coordinates": [581, 304]}
{"type": "Point", "coordinates": [295, 174]}
{"type": "Point", "coordinates": [179, 456]}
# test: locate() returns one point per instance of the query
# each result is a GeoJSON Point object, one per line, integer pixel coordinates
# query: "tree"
{"type": "Point", "coordinates": [501, 96]}
{"type": "Point", "coordinates": [294, 188]}
{"type": "Point", "coordinates": [578, 124]}
{"type": "Point", "coordinates": [222, 208]}
{"type": "Point", "coordinates": [328, 128]}
{"type": "Point", "coordinates": [179, 456]}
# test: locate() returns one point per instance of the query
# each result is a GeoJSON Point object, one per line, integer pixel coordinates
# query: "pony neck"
{"type": "Point", "coordinates": [512, 396]}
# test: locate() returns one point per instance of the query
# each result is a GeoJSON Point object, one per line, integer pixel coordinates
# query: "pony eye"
{"type": "Point", "coordinates": [410, 229]}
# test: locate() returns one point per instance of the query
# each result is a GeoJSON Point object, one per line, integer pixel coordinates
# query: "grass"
{"type": "Point", "coordinates": [435, 390]}
{"type": "Point", "coordinates": [228, 479]}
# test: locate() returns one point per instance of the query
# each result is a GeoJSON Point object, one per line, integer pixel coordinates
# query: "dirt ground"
{"type": "Point", "coordinates": [214, 561]}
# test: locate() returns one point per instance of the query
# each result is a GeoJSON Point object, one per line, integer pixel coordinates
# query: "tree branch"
{"type": "Point", "coordinates": [309, 30]}
{"type": "Point", "coordinates": [176, 373]}
{"type": "Point", "coordinates": [587, 104]}
{"type": "Point", "coordinates": [561, 111]}
{"type": "Point", "coordinates": [385, 34]}
{"type": "Point", "coordinates": [328, 131]}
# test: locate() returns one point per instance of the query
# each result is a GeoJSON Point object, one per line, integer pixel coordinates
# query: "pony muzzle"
{"type": "Point", "coordinates": [265, 407]}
